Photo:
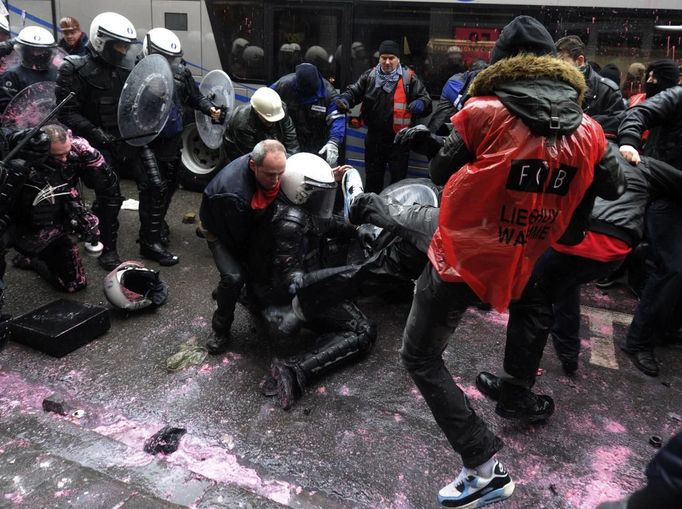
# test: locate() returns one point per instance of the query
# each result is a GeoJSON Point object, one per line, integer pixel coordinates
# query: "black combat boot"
{"type": "Point", "coordinates": [517, 402]}
{"type": "Point", "coordinates": [151, 219]}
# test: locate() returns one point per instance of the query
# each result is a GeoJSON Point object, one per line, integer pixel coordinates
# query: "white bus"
{"type": "Point", "coordinates": [256, 41]}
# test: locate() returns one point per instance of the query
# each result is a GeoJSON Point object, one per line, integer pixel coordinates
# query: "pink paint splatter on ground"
{"type": "Point", "coordinates": [472, 393]}
{"type": "Point", "coordinates": [199, 321]}
{"type": "Point", "coordinates": [217, 464]}
{"type": "Point", "coordinates": [606, 330]}
{"type": "Point", "coordinates": [17, 393]}
{"type": "Point", "coordinates": [62, 493]}
{"type": "Point", "coordinates": [397, 417]}
{"type": "Point", "coordinates": [614, 427]}
{"type": "Point", "coordinates": [344, 391]}
{"type": "Point", "coordinates": [602, 482]}
{"type": "Point", "coordinates": [15, 498]}
{"type": "Point", "coordinates": [322, 390]}
{"type": "Point", "coordinates": [131, 433]}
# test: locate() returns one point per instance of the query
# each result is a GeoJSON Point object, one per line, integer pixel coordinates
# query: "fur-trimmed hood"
{"type": "Point", "coordinates": [545, 92]}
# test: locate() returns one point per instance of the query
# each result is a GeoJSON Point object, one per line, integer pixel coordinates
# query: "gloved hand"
{"type": "Point", "coordinates": [103, 139]}
{"type": "Point", "coordinates": [342, 104]}
{"type": "Point", "coordinates": [218, 114]}
{"type": "Point", "coordinates": [419, 139]}
{"type": "Point", "coordinates": [35, 150]}
{"type": "Point", "coordinates": [367, 235]}
{"type": "Point", "coordinates": [630, 154]}
{"type": "Point", "coordinates": [330, 152]}
{"type": "Point", "coordinates": [416, 107]}
{"type": "Point", "coordinates": [407, 134]}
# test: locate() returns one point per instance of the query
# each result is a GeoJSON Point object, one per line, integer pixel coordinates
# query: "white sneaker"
{"type": "Point", "coordinates": [351, 185]}
{"type": "Point", "coordinates": [470, 490]}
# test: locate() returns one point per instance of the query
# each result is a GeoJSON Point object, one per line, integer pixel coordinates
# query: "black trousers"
{"type": "Point", "coordinates": [436, 310]}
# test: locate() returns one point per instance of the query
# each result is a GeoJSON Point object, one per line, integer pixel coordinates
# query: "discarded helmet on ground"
{"type": "Point", "coordinates": [268, 104]}
{"type": "Point", "coordinates": [35, 47]}
{"type": "Point", "coordinates": [132, 286]}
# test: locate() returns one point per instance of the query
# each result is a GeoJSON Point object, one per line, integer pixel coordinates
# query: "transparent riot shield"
{"type": "Point", "coordinates": [145, 101]}
{"type": "Point", "coordinates": [30, 106]}
{"type": "Point", "coordinates": [217, 87]}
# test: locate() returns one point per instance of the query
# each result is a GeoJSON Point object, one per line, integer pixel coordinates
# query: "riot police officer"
{"type": "Point", "coordinates": [167, 146]}
{"type": "Point", "coordinates": [35, 47]}
{"type": "Point", "coordinates": [97, 80]}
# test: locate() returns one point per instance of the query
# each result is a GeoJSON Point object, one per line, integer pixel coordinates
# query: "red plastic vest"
{"type": "Point", "coordinates": [499, 213]}
{"type": "Point", "coordinates": [401, 116]}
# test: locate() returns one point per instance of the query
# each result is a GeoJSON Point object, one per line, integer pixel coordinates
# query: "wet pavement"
{"type": "Point", "coordinates": [362, 437]}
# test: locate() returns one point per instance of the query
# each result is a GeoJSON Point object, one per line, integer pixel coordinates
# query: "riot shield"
{"type": "Point", "coordinates": [145, 101]}
{"type": "Point", "coordinates": [217, 87]}
{"type": "Point", "coordinates": [30, 106]}
{"type": "Point", "coordinates": [58, 56]}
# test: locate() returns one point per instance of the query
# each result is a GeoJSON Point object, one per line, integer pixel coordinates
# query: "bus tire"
{"type": "Point", "coordinates": [199, 163]}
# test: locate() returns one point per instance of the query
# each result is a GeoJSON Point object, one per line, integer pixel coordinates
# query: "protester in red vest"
{"type": "Point", "coordinates": [392, 97]}
{"type": "Point", "coordinates": [519, 161]}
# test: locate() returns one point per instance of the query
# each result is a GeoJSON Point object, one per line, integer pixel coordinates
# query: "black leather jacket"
{"type": "Point", "coordinates": [624, 218]}
{"type": "Point", "coordinates": [662, 115]}
{"type": "Point", "coordinates": [603, 101]}
{"type": "Point", "coordinates": [97, 86]}
{"type": "Point", "coordinates": [377, 105]}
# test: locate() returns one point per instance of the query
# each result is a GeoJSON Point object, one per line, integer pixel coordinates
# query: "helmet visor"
{"type": "Point", "coordinates": [35, 58]}
{"type": "Point", "coordinates": [118, 53]}
{"type": "Point", "coordinates": [321, 197]}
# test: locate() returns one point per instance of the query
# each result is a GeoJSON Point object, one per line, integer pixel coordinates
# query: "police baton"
{"type": "Point", "coordinates": [37, 128]}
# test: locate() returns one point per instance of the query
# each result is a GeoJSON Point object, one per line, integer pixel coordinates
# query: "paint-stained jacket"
{"type": "Point", "coordinates": [529, 158]}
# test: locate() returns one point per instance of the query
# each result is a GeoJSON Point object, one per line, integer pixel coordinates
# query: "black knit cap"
{"type": "Point", "coordinates": [389, 48]}
{"type": "Point", "coordinates": [523, 34]}
{"type": "Point", "coordinates": [666, 72]}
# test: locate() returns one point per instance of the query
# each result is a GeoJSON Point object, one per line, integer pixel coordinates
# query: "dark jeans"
{"type": "Point", "coordinates": [229, 287]}
{"type": "Point", "coordinates": [559, 276]}
{"type": "Point", "coordinates": [660, 305]}
{"type": "Point", "coordinates": [437, 308]}
{"type": "Point", "coordinates": [380, 152]}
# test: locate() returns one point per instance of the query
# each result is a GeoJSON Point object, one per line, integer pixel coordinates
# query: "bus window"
{"type": "Point", "coordinates": [307, 34]}
{"type": "Point", "coordinates": [240, 39]}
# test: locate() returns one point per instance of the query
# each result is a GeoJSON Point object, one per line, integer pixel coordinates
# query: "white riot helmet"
{"type": "Point", "coordinates": [164, 42]}
{"type": "Point", "coordinates": [111, 36]}
{"type": "Point", "coordinates": [131, 286]}
{"type": "Point", "coordinates": [309, 182]}
{"type": "Point", "coordinates": [4, 25]}
{"type": "Point", "coordinates": [268, 104]}
{"type": "Point", "coordinates": [35, 47]}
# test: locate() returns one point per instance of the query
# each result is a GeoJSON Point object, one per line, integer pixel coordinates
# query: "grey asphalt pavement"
{"type": "Point", "coordinates": [360, 438]}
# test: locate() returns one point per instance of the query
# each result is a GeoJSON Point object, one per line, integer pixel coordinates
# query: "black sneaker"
{"type": "Point", "coordinates": [471, 490]}
{"type": "Point", "coordinates": [646, 362]}
{"type": "Point", "coordinates": [489, 385]}
{"type": "Point", "coordinates": [519, 403]}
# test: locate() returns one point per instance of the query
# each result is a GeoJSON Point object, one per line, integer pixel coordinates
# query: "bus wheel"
{"type": "Point", "coordinates": [199, 163]}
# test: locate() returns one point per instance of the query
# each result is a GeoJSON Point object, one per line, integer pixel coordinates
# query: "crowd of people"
{"type": "Point", "coordinates": [544, 176]}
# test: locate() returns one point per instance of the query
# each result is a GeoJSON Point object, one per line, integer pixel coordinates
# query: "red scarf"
{"type": "Point", "coordinates": [262, 198]}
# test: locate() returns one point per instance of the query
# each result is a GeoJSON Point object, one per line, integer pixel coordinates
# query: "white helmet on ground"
{"type": "Point", "coordinates": [131, 286]}
{"type": "Point", "coordinates": [111, 36]}
{"type": "Point", "coordinates": [309, 182]}
{"type": "Point", "coordinates": [35, 47]}
{"type": "Point", "coordinates": [162, 41]}
{"type": "Point", "coordinates": [268, 104]}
